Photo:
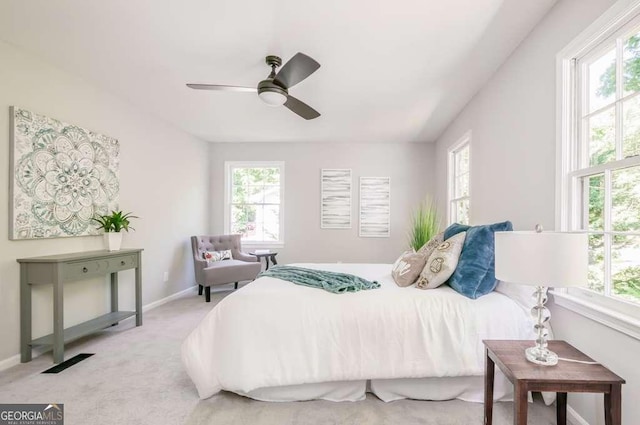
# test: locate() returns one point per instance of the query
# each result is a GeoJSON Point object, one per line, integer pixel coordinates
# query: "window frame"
{"type": "Point", "coordinates": [462, 143]}
{"type": "Point", "coordinates": [229, 166]}
{"type": "Point", "coordinates": [602, 35]}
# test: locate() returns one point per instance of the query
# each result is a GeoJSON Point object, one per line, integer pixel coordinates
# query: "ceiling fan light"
{"type": "Point", "coordinates": [273, 98]}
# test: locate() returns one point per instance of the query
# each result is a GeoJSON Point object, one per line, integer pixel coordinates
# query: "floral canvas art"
{"type": "Point", "coordinates": [62, 175]}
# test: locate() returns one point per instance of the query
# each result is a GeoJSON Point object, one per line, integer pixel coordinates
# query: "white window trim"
{"type": "Point", "coordinates": [598, 312]}
{"type": "Point", "coordinates": [228, 165]}
{"type": "Point", "coordinates": [464, 141]}
{"type": "Point", "coordinates": [616, 314]}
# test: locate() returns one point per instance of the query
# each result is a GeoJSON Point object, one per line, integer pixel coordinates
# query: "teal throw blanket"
{"type": "Point", "coordinates": [329, 281]}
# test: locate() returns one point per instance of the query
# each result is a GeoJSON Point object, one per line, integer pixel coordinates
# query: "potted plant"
{"type": "Point", "coordinates": [425, 224]}
{"type": "Point", "coordinates": [113, 224]}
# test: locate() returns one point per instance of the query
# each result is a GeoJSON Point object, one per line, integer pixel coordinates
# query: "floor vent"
{"type": "Point", "coordinates": [68, 363]}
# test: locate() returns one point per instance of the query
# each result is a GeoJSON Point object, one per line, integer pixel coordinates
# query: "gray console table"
{"type": "Point", "coordinates": [58, 269]}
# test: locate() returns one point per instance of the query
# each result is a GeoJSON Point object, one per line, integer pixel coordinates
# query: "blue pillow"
{"type": "Point", "coordinates": [454, 229]}
{"type": "Point", "coordinates": [475, 275]}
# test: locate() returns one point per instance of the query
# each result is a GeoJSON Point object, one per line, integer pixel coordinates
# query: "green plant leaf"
{"type": "Point", "coordinates": [425, 224]}
{"type": "Point", "coordinates": [115, 222]}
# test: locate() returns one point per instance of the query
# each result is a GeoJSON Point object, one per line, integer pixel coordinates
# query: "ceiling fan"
{"type": "Point", "coordinates": [274, 90]}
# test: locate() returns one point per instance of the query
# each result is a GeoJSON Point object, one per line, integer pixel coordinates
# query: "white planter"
{"type": "Point", "coordinates": [113, 240]}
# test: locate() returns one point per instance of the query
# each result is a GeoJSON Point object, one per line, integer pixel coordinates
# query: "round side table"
{"type": "Point", "coordinates": [267, 256]}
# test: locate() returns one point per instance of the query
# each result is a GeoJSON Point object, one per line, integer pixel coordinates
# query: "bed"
{"type": "Point", "coordinates": [274, 340]}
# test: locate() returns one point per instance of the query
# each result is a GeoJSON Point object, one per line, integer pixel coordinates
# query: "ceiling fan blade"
{"type": "Point", "coordinates": [301, 108]}
{"type": "Point", "coordinates": [223, 88]}
{"type": "Point", "coordinates": [297, 69]}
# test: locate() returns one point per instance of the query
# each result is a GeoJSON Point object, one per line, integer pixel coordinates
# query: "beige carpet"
{"type": "Point", "coordinates": [136, 377]}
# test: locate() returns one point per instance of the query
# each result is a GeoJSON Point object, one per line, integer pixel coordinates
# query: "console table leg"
{"type": "Point", "coordinates": [114, 293]}
{"type": "Point", "coordinates": [138, 294]}
{"type": "Point", "coordinates": [25, 316]}
{"type": "Point", "coordinates": [58, 318]}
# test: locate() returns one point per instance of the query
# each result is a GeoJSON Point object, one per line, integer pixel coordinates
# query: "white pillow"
{"type": "Point", "coordinates": [213, 256]}
{"type": "Point", "coordinates": [522, 294]}
{"type": "Point", "coordinates": [441, 263]}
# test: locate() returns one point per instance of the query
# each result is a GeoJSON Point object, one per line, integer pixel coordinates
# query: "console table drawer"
{"type": "Point", "coordinates": [123, 263]}
{"type": "Point", "coordinates": [90, 268]}
{"type": "Point", "coordinates": [81, 270]}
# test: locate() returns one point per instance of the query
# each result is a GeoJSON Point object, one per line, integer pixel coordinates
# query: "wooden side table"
{"type": "Point", "coordinates": [565, 377]}
{"type": "Point", "coordinates": [267, 256]}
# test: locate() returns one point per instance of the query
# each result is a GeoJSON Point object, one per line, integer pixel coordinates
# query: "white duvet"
{"type": "Point", "coordinates": [274, 333]}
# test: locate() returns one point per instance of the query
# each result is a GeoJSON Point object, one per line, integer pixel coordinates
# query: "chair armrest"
{"type": "Point", "coordinates": [199, 265]}
{"type": "Point", "coordinates": [246, 257]}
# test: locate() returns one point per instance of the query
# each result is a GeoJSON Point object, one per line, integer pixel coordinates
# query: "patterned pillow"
{"type": "Point", "coordinates": [407, 268]}
{"type": "Point", "coordinates": [213, 256]}
{"type": "Point", "coordinates": [441, 263]}
{"type": "Point", "coordinates": [428, 248]}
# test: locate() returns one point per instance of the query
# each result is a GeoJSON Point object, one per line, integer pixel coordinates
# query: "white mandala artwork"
{"type": "Point", "coordinates": [375, 207]}
{"type": "Point", "coordinates": [62, 175]}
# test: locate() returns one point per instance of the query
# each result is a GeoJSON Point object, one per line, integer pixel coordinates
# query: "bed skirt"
{"type": "Point", "coordinates": [466, 388]}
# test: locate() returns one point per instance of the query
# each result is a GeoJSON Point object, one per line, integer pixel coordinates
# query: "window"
{"type": "Point", "coordinates": [459, 172]}
{"type": "Point", "coordinates": [599, 187]}
{"type": "Point", "coordinates": [254, 201]}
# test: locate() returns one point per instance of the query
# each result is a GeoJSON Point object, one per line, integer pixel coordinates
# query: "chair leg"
{"type": "Point", "coordinates": [207, 294]}
{"type": "Point", "coordinates": [200, 288]}
{"type": "Point", "coordinates": [236, 285]}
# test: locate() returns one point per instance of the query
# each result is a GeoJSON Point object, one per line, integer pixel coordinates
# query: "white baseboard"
{"type": "Point", "coordinates": [167, 299]}
{"type": "Point", "coordinates": [9, 362]}
{"type": "Point", "coordinates": [574, 418]}
{"type": "Point", "coordinates": [15, 360]}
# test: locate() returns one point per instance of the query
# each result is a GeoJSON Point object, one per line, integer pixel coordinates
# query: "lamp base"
{"type": "Point", "coordinates": [541, 356]}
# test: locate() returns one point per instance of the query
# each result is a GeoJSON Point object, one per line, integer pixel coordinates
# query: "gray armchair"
{"type": "Point", "coordinates": [241, 267]}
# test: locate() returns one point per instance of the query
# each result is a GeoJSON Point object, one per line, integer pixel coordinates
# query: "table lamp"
{"type": "Point", "coordinates": [542, 259]}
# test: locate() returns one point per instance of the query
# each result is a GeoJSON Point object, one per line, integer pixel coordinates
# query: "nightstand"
{"type": "Point", "coordinates": [565, 377]}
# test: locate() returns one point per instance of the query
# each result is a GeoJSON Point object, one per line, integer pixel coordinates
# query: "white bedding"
{"type": "Point", "coordinates": [274, 333]}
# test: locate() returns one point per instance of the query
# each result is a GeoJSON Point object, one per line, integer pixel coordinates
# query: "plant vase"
{"type": "Point", "coordinates": [113, 240]}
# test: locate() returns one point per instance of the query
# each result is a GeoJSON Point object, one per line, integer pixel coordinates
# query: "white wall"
{"type": "Point", "coordinates": [513, 175]}
{"type": "Point", "coordinates": [163, 179]}
{"type": "Point", "coordinates": [410, 166]}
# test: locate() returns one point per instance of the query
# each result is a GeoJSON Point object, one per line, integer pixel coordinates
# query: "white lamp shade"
{"type": "Point", "coordinates": [542, 259]}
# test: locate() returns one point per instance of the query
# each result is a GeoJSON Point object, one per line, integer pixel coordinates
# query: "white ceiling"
{"type": "Point", "coordinates": [392, 70]}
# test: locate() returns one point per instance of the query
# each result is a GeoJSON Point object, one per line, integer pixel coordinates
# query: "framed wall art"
{"type": "Point", "coordinates": [375, 207]}
{"type": "Point", "coordinates": [62, 175]}
{"type": "Point", "coordinates": [335, 200]}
